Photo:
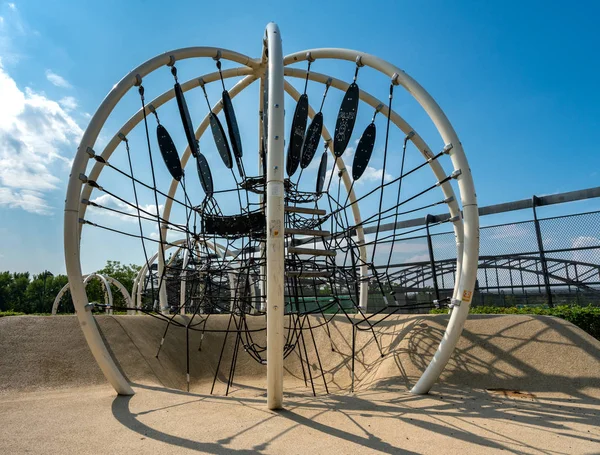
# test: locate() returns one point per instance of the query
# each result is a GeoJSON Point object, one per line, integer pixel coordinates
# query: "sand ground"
{"type": "Point", "coordinates": [516, 383]}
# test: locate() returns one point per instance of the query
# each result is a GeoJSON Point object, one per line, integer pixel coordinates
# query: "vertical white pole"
{"type": "Point", "coordinates": [263, 267]}
{"type": "Point", "coordinates": [275, 235]}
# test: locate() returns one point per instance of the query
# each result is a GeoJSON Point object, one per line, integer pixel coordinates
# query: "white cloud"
{"type": "Point", "coordinates": [371, 174]}
{"type": "Point", "coordinates": [106, 200]}
{"type": "Point", "coordinates": [33, 130]}
{"type": "Point", "coordinates": [589, 255]}
{"type": "Point", "coordinates": [12, 6]}
{"type": "Point", "coordinates": [418, 258]}
{"type": "Point", "coordinates": [57, 80]}
{"type": "Point", "coordinates": [69, 103]}
{"type": "Point", "coordinates": [29, 200]}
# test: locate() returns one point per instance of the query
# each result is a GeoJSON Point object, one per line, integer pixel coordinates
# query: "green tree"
{"type": "Point", "coordinates": [5, 281]}
{"type": "Point", "coordinates": [17, 293]}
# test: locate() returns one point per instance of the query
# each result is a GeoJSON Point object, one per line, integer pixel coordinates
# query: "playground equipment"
{"type": "Point", "coordinates": [108, 296]}
{"type": "Point", "coordinates": [273, 244]}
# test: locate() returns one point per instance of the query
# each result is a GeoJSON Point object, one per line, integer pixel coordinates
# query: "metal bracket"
{"type": "Point", "coordinates": [83, 178]}
{"type": "Point", "coordinates": [138, 80]}
{"type": "Point", "coordinates": [448, 200]}
{"type": "Point", "coordinates": [171, 60]}
{"type": "Point", "coordinates": [454, 219]}
{"type": "Point", "coordinates": [309, 57]}
{"type": "Point", "coordinates": [395, 77]}
{"type": "Point", "coordinates": [89, 307]}
{"type": "Point", "coordinates": [455, 174]}
{"type": "Point", "coordinates": [218, 56]}
{"type": "Point", "coordinates": [201, 82]}
{"type": "Point", "coordinates": [447, 148]}
{"type": "Point", "coordinates": [85, 201]}
{"type": "Point", "coordinates": [90, 152]}
{"type": "Point", "coordinates": [454, 302]}
{"type": "Point", "coordinates": [359, 62]}
{"type": "Point", "coordinates": [121, 136]}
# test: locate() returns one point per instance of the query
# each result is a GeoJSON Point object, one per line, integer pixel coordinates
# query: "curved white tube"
{"type": "Point", "coordinates": [105, 279]}
{"type": "Point", "coordinates": [463, 292]}
{"type": "Point", "coordinates": [72, 202]}
{"type": "Point", "coordinates": [467, 251]}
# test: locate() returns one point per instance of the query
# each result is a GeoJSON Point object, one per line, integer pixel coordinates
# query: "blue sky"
{"type": "Point", "coordinates": [518, 80]}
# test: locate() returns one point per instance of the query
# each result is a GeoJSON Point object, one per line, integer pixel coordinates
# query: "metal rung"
{"type": "Point", "coordinates": [308, 274]}
{"type": "Point", "coordinates": [305, 210]}
{"type": "Point", "coordinates": [311, 252]}
{"type": "Point", "coordinates": [313, 232]}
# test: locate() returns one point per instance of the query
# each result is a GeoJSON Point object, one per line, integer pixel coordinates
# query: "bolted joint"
{"type": "Point", "coordinates": [121, 136]}
{"type": "Point", "coordinates": [89, 307]}
{"type": "Point", "coordinates": [395, 78]}
{"type": "Point", "coordinates": [171, 60]}
{"type": "Point", "coordinates": [454, 219]}
{"type": "Point", "coordinates": [456, 174]}
{"type": "Point", "coordinates": [83, 178]}
{"type": "Point", "coordinates": [448, 200]}
{"type": "Point", "coordinates": [309, 57]}
{"type": "Point", "coordinates": [359, 61]}
{"type": "Point", "coordinates": [138, 80]}
{"type": "Point", "coordinates": [217, 56]}
{"type": "Point", "coordinates": [85, 201]}
{"type": "Point", "coordinates": [454, 302]}
{"type": "Point", "coordinates": [90, 152]}
{"type": "Point", "coordinates": [201, 82]}
{"type": "Point", "coordinates": [447, 148]}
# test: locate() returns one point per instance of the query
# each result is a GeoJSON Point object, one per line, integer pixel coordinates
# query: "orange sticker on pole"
{"type": "Point", "coordinates": [467, 295]}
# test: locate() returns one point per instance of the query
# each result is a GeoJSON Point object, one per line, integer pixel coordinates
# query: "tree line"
{"type": "Point", "coordinates": [22, 292]}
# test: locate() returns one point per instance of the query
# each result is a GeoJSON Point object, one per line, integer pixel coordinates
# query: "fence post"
{"type": "Point", "coordinates": [436, 290]}
{"type": "Point", "coordinates": [538, 234]}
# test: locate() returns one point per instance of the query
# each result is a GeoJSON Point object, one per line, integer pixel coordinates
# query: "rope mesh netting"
{"type": "Point", "coordinates": [343, 253]}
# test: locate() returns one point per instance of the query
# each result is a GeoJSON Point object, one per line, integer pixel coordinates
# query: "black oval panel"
{"type": "Point", "coordinates": [186, 120]}
{"type": "Point", "coordinates": [297, 135]}
{"type": "Point", "coordinates": [220, 140]}
{"type": "Point", "coordinates": [321, 173]}
{"type": "Point", "coordinates": [311, 141]}
{"type": "Point", "coordinates": [169, 152]}
{"type": "Point", "coordinates": [345, 120]}
{"type": "Point", "coordinates": [204, 174]}
{"type": "Point", "coordinates": [232, 125]}
{"type": "Point", "coordinates": [363, 151]}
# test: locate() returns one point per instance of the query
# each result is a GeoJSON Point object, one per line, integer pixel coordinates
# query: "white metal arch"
{"type": "Point", "coordinates": [106, 279]}
{"type": "Point", "coordinates": [467, 262]}
{"type": "Point", "coordinates": [74, 187]}
{"type": "Point", "coordinates": [465, 284]}
{"type": "Point", "coordinates": [137, 289]}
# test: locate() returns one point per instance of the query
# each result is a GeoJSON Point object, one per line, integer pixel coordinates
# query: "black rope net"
{"type": "Point", "coordinates": [212, 242]}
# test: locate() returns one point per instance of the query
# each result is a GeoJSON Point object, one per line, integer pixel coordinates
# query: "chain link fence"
{"type": "Point", "coordinates": [544, 261]}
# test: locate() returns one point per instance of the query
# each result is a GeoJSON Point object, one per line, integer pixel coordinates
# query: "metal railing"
{"type": "Point", "coordinates": [536, 262]}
